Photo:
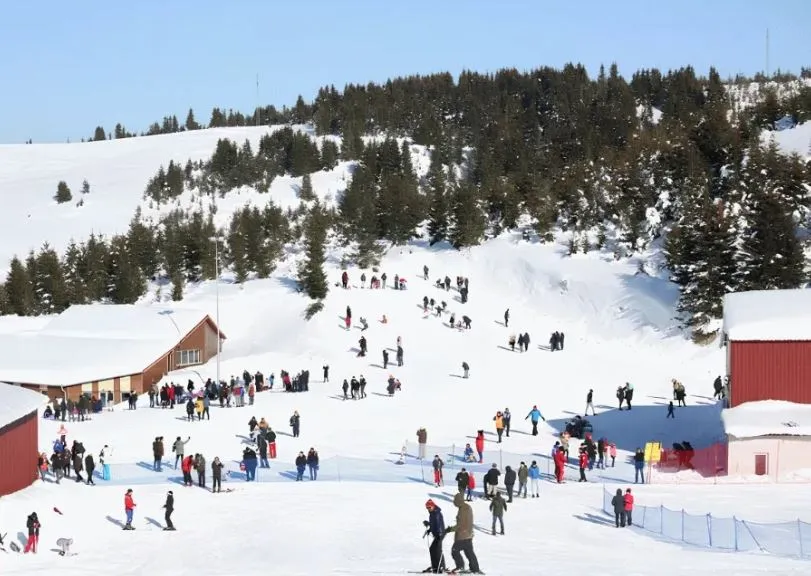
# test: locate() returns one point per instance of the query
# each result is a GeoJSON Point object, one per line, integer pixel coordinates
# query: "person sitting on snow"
{"type": "Point", "coordinates": [469, 455]}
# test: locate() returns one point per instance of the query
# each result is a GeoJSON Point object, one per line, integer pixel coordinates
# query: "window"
{"type": "Point", "coordinates": [761, 464]}
{"type": "Point", "coordinates": [187, 357]}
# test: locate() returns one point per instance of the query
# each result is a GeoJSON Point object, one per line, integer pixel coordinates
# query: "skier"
{"type": "Point", "coordinates": [463, 537]}
{"type": "Point", "coordinates": [534, 474]}
{"type": "Point", "coordinates": [507, 318]}
{"type": "Point", "coordinates": [437, 465]}
{"type": "Point", "coordinates": [33, 525]}
{"type": "Point", "coordinates": [535, 415]}
{"type": "Point", "coordinates": [129, 509]}
{"type": "Point", "coordinates": [523, 474]}
{"type": "Point", "coordinates": [618, 502]}
{"type": "Point", "coordinates": [509, 482]}
{"type": "Point", "coordinates": [216, 475]}
{"type": "Point", "coordinates": [169, 506]}
{"type": "Point", "coordinates": [590, 403]}
{"type": "Point", "coordinates": [498, 507]}
{"type": "Point", "coordinates": [465, 370]}
{"type": "Point", "coordinates": [435, 527]}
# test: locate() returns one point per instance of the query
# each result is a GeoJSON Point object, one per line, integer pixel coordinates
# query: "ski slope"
{"type": "Point", "coordinates": [364, 515]}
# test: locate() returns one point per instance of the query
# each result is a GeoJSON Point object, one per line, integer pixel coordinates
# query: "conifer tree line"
{"type": "Point", "coordinates": [662, 156]}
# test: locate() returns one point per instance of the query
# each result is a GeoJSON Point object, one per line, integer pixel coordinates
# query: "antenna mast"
{"type": "Point", "coordinates": [258, 111]}
{"type": "Point", "coordinates": [767, 52]}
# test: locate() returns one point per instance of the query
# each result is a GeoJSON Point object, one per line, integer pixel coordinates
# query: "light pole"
{"type": "Point", "coordinates": [217, 296]}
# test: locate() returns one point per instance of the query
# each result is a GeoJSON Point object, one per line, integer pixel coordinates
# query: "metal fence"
{"type": "Point", "coordinates": [791, 539]}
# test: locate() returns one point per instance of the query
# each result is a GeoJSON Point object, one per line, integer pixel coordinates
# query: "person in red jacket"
{"type": "Point", "coordinates": [560, 465]}
{"type": "Point", "coordinates": [129, 509]}
{"type": "Point", "coordinates": [583, 462]}
{"type": "Point", "coordinates": [480, 445]}
{"type": "Point", "coordinates": [629, 506]}
{"type": "Point", "coordinates": [471, 485]}
{"type": "Point", "coordinates": [186, 466]}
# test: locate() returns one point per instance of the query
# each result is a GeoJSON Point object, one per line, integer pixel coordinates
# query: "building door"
{"type": "Point", "coordinates": [761, 464]}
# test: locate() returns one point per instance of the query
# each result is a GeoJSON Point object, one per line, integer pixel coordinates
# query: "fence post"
{"type": "Point", "coordinates": [709, 528]}
{"type": "Point", "coordinates": [422, 470]}
{"type": "Point", "coordinates": [661, 518]}
{"type": "Point", "coordinates": [735, 531]}
{"type": "Point", "coordinates": [682, 524]}
{"type": "Point", "coordinates": [800, 535]}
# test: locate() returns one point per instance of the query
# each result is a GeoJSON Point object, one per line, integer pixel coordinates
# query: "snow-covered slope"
{"type": "Point", "coordinates": [796, 140]}
{"type": "Point", "coordinates": [619, 328]}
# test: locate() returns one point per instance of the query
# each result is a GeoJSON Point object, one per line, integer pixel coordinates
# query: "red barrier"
{"type": "Point", "coordinates": [710, 462]}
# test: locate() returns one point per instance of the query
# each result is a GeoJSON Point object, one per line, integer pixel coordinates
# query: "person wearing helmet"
{"type": "Point", "coordinates": [435, 526]}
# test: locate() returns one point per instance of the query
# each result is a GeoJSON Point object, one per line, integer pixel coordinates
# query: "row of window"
{"type": "Point", "coordinates": [187, 357]}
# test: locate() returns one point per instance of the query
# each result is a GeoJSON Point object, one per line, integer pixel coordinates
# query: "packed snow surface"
{"type": "Point", "coordinates": [17, 402]}
{"type": "Point", "coordinates": [767, 418]}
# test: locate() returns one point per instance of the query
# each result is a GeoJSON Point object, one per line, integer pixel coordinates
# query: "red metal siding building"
{"type": "Point", "coordinates": [767, 334]}
{"type": "Point", "coordinates": [769, 371]}
{"type": "Point", "coordinates": [19, 437]}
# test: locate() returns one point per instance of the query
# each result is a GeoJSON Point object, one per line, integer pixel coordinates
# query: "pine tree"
{"type": "Point", "coordinates": [142, 245]}
{"type": "Point", "coordinates": [305, 192]}
{"type": "Point", "coordinates": [99, 134]}
{"type": "Point", "coordinates": [191, 123]}
{"type": "Point", "coordinates": [238, 249]}
{"type": "Point", "coordinates": [311, 275]}
{"type": "Point", "coordinates": [171, 250]}
{"type": "Point", "coordinates": [94, 270]}
{"type": "Point", "coordinates": [468, 222]}
{"type": "Point", "coordinates": [63, 193]}
{"type": "Point", "coordinates": [19, 290]}
{"type": "Point", "coordinates": [126, 281]}
{"type": "Point", "coordinates": [357, 217]}
{"type": "Point", "coordinates": [439, 206]}
{"type": "Point", "coordinates": [72, 268]}
{"type": "Point", "coordinates": [329, 155]}
{"type": "Point", "coordinates": [49, 282]}
{"type": "Point", "coordinates": [85, 187]}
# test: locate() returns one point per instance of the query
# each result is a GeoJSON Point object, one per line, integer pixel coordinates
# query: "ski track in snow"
{"type": "Point", "coordinates": [619, 328]}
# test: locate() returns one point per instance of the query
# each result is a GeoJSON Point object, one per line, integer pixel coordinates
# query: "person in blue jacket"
{"type": "Point", "coordinates": [534, 479]}
{"type": "Point", "coordinates": [436, 528]}
{"type": "Point", "coordinates": [535, 415]}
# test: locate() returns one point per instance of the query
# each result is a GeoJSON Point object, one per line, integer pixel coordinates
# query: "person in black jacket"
{"type": "Point", "coordinates": [169, 506]}
{"type": "Point", "coordinates": [216, 475]}
{"type": "Point", "coordinates": [78, 466]}
{"type": "Point", "coordinates": [618, 502]}
{"type": "Point", "coordinates": [436, 528]}
{"type": "Point", "coordinates": [491, 481]}
{"type": "Point", "coordinates": [462, 480]}
{"type": "Point", "coordinates": [90, 467]}
{"type": "Point", "coordinates": [509, 482]}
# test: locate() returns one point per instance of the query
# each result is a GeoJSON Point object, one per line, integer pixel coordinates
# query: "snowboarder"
{"type": "Point", "coordinates": [590, 403]}
{"type": "Point", "coordinates": [438, 464]}
{"type": "Point", "coordinates": [169, 507]}
{"type": "Point", "coordinates": [463, 536]}
{"type": "Point", "coordinates": [535, 415]}
{"type": "Point", "coordinates": [618, 502]}
{"type": "Point", "coordinates": [498, 506]}
{"type": "Point", "coordinates": [436, 528]}
{"type": "Point", "coordinates": [465, 370]}
{"type": "Point", "coordinates": [129, 509]}
{"type": "Point", "coordinates": [507, 318]}
{"type": "Point", "coordinates": [33, 525]}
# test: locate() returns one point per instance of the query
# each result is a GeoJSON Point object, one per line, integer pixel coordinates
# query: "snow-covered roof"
{"type": "Point", "coordinates": [94, 342]}
{"type": "Point", "coordinates": [767, 418]}
{"type": "Point", "coordinates": [16, 402]}
{"type": "Point", "coordinates": [768, 315]}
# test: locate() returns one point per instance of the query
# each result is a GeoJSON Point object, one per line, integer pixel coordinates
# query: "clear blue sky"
{"type": "Point", "coordinates": [68, 66]}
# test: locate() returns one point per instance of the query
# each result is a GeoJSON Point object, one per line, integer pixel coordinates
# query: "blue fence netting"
{"type": "Point", "coordinates": [790, 539]}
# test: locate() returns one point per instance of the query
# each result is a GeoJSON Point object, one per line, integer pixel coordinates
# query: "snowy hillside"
{"type": "Point", "coordinates": [748, 94]}
{"type": "Point", "coordinates": [364, 515]}
{"type": "Point", "coordinates": [795, 140]}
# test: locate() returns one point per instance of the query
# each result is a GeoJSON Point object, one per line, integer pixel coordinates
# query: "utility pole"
{"type": "Point", "coordinates": [258, 114]}
{"type": "Point", "coordinates": [767, 53]}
